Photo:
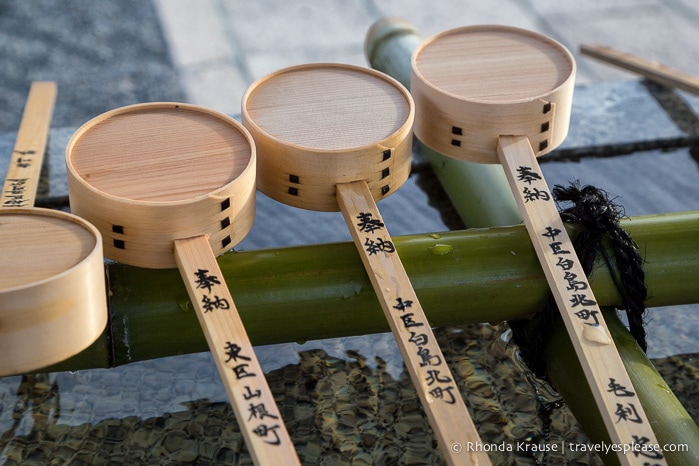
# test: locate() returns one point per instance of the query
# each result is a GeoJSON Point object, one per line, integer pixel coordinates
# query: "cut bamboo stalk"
{"type": "Point", "coordinates": [514, 95]}
{"type": "Point", "coordinates": [649, 69]}
{"type": "Point", "coordinates": [52, 292]}
{"type": "Point", "coordinates": [141, 173]}
{"type": "Point", "coordinates": [674, 427]}
{"type": "Point", "coordinates": [312, 158]}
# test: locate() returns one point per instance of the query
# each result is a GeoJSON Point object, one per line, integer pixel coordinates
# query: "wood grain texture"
{"type": "Point", "coordinates": [473, 84]}
{"type": "Point", "coordinates": [38, 244]}
{"type": "Point", "coordinates": [513, 105]}
{"type": "Point", "coordinates": [23, 173]}
{"type": "Point", "coordinates": [606, 375]}
{"type": "Point", "coordinates": [52, 288]}
{"type": "Point", "coordinates": [332, 137]}
{"type": "Point", "coordinates": [318, 125]}
{"type": "Point", "coordinates": [252, 400]}
{"type": "Point", "coordinates": [172, 184]}
{"type": "Point", "coordinates": [148, 174]}
{"type": "Point", "coordinates": [53, 301]}
{"type": "Point", "coordinates": [432, 378]}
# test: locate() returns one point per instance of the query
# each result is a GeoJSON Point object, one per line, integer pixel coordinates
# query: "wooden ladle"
{"type": "Point", "coordinates": [499, 94]}
{"type": "Point", "coordinates": [336, 137]}
{"type": "Point", "coordinates": [172, 185]}
{"type": "Point", "coordinates": [52, 290]}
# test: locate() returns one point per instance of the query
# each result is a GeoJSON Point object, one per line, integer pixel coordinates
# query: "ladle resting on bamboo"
{"type": "Point", "coordinates": [172, 184]}
{"type": "Point", "coordinates": [336, 137]}
{"type": "Point", "coordinates": [497, 94]}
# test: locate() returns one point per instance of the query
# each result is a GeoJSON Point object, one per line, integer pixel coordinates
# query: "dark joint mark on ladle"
{"type": "Point", "coordinates": [226, 241]}
{"type": "Point", "coordinates": [294, 179]}
{"type": "Point", "coordinates": [225, 223]}
{"type": "Point", "coordinates": [386, 154]}
{"type": "Point", "coordinates": [543, 145]}
{"type": "Point", "coordinates": [547, 107]}
{"type": "Point", "coordinates": [545, 127]}
{"type": "Point", "coordinates": [456, 142]}
{"type": "Point", "coordinates": [456, 130]}
{"type": "Point", "coordinates": [225, 204]}
{"type": "Point", "coordinates": [119, 230]}
{"type": "Point", "coordinates": [385, 189]}
{"type": "Point", "coordinates": [385, 172]}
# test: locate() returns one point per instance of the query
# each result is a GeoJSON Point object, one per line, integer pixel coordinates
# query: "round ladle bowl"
{"type": "Point", "coordinates": [173, 185]}
{"type": "Point", "coordinates": [52, 286]}
{"type": "Point", "coordinates": [52, 289]}
{"type": "Point", "coordinates": [320, 125]}
{"type": "Point", "coordinates": [474, 84]}
{"type": "Point", "coordinates": [339, 137]}
{"type": "Point", "coordinates": [496, 94]}
{"type": "Point", "coordinates": [148, 174]}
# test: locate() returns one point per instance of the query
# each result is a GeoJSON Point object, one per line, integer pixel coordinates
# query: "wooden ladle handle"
{"type": "Point", "coordinates": [251, 398]}
{"type": "Point", "coordinates": [22, 179]}
{"type": "Point", "coordinates": [434, 382]}
{"type": "Point", "coordinates": [649, 69]}
{"type": "Point", "coordinates": [620, 407]}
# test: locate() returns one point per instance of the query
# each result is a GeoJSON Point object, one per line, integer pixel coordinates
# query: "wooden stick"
{"type": "Point", "coordinates": [456, 433]}
{"type": "Point", "coordinates": [620, 407]}
{"type": "Point", "coordinates": [22, 179]}
{"type": "Point", "coordinates": [650, 69]}
{"type": "Point", "coordinates": [253, 403]}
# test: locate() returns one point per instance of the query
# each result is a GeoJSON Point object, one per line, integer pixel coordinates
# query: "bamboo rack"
{"type": "Point", "coordinates": [322, 291]}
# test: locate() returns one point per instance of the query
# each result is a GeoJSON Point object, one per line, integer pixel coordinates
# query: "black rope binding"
{"type": "Point", "coordinates": [598, 218]}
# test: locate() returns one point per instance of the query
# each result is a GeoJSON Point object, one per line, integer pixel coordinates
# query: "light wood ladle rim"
{"type": "Point", "coordinates": [405, 127]}
{"type": "Point", "coordinates": [96, 249]}
{"type": "Point", "coordinates": [82, 130]}
{"type": "Point", "coordinates": [564, 52]}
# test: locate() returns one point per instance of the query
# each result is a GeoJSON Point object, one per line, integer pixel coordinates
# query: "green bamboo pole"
{"type": "Point", "coordinates": [670, 421]}
{"type": "Point", "coordinates": [389, 45]}
{"type": "Point", "coordinates": [322, 291]}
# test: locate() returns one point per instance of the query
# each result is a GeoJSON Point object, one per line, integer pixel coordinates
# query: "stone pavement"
{"type": "Point", "coordinates": [101, 54]}
{"type": "Point", "coordinates": [220, 47]}
{"type": "Point", "coordinates": [107, 54]}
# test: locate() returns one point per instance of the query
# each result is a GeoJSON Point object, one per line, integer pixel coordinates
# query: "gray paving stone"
{"type": "Point", "coordinates": [436, 16]}
{"type": "Point", "coordinates": [644, 183]}
{"type": "Point", "coordinates": [101, 54]}
{"type": "Point", "coordinates": [293, 25]}
{"type": "Point", "coordinates": [206, 41]}
{"type": "Point", "coordinates": [653, 31]}
{"type": "Point", "coordinates": [616, 114]}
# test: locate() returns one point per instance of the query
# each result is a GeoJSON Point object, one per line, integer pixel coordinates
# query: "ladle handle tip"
{"type": "Point", "coordinates": [649, 69]}
{"type": "Point", "coordinates": [432, 378]}
{"type": "Point", "coordinates": [251, 397]}
{"type": "Point", "coordinates": [22, 178]}
{"type": "Point", "coordinates": [626, 422]}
